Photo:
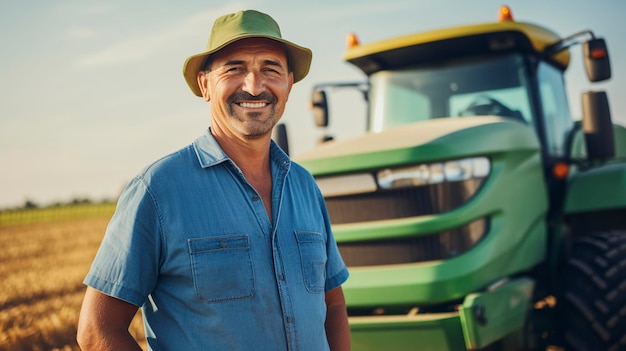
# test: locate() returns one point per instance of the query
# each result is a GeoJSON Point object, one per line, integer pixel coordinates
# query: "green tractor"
{"type": "Point", "coordinates": [475, 213]}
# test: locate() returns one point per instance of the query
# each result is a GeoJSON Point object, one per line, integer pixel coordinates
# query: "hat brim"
{"type": "Point", "coordinates": [299, 59]}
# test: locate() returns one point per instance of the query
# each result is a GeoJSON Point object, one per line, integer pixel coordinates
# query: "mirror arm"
{"type": "Point", "coordinates": [566, 43]}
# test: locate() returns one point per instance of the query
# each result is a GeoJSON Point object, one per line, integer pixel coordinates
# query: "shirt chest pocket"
{"type": "Point", "coordinates": [221, 267]}
{"type": "Point", "coordinates": [312, 248]}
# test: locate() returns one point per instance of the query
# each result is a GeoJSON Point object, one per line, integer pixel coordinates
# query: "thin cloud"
{"type": "Point", "coordinates": [80, 33]}
{"type": "Point", "coordinates": [360, 9]}
{"type": "Point", "coordinates": [82, 8]}
{"type": "Point", "coordinates": [141, 47]}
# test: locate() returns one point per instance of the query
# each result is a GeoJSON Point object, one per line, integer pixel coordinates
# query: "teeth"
{"type": "Point", "coordinates": [252, 105]}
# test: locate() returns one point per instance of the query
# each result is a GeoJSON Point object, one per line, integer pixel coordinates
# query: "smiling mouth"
{"type": "Point", "coordinates": [253, 104]}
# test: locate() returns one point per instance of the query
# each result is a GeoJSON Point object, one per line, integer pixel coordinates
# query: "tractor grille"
{"type": "Point", "coordinates": [421, 248]}
{"type": "Point", "coordinates": [400, 203]}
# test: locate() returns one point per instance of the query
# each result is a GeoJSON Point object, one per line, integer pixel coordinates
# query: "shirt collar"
{"type": "Point", "coordinates": [210, 153]}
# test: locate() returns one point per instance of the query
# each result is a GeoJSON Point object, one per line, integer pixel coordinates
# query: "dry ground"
{"type": "Point", "coordinates": [42, 266]}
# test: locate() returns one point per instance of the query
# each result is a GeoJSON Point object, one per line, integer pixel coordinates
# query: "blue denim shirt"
{"type": "Point", "coordinates": [191, 242]}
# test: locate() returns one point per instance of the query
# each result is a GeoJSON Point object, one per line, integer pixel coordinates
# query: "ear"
{"type": "Point", "coordinates": [290, 83]}
{"type": "Point", "coordinates": [203, 83]}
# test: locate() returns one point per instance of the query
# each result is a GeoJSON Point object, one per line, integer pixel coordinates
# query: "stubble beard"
{"type": "Point", "coordinates": [250, 125]}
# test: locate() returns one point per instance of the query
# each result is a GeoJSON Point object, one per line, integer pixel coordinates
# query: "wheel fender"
{"type": "Point", "coordinates": [600, 188]}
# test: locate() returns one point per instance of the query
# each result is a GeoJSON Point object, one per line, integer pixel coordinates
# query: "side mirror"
{"type": "Point", "coordinates": [319, 106]}
{"type": "Point", "coordinates": [279, 134]}
{"type": "Point", "coordinates": [597, 63]}
{"type": "Point", "coordinates": [597, 125]}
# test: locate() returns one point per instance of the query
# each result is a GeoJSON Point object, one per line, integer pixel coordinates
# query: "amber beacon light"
{"type": "Point", "coordinates": [352, 40]}
{"type": "Point", "coordinates": [505, 14]}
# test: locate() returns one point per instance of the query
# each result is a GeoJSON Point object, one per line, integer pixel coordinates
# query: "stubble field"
{"type": "Point", "coordinates": [42, 266]}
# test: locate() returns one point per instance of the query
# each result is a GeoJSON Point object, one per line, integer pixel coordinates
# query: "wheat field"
{"type": "Point", "coordinates": [42, 266]}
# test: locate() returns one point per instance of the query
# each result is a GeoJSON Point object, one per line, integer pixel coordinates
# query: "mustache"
{"type": "Point", "coordinates": [242, 95]}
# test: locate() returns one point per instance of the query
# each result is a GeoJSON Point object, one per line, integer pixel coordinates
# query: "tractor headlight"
{"type": "Point", "coordinates": [433, 173]}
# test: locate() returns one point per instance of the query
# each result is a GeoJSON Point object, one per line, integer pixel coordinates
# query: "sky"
{"type": "Point", "coordinates": [92, 91]}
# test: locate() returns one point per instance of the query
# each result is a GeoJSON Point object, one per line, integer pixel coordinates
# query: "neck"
{"type": "Point", "coordinates": [251, 155]}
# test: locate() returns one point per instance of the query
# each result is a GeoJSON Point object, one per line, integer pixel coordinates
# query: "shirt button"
{"type": "Point", "coordinates": [280, 277]}
{"type": "Point", "coordinates": [255, 198]}
{"type": "Point", "coordinates": [223, 244]}
{"type": "Point", "coordinates": [289, 319]}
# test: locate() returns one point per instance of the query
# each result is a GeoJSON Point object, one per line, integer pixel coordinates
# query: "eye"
{"type": "Point", "coordinates": [271, 69]}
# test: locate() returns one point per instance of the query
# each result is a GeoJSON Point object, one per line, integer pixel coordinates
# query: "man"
{"type": "Point", "coordinates": [225, 244]}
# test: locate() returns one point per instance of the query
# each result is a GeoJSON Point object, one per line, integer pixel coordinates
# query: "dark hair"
{"type": "Point", "coordinates": [206, 65]}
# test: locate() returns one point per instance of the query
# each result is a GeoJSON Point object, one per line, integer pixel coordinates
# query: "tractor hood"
{"type": "Point", "coordinates": [432, 140]}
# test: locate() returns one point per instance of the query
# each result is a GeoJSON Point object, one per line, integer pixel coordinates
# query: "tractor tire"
{"type": "Point", "coordinates": [594, 309]}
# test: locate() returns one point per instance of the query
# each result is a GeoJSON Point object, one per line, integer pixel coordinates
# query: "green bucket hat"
{"type": "Point", "coordinates": [240, 25]}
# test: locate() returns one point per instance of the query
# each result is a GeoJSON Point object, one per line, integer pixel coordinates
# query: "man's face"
{"type": "Point", "coordinates": [248, 85]}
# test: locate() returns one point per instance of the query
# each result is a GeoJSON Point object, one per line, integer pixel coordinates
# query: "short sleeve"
{"type": "Point", "coordinates": [336, 270]}
{"type": "Point", "coordinates": [126, 264]}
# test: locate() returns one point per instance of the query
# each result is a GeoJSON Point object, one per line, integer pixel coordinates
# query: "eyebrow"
{"type": "Point", "coordinates": [233, 62]}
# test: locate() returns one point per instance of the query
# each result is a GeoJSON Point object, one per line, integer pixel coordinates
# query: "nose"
{"type": "Point", "coordinates": [253, 83]}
